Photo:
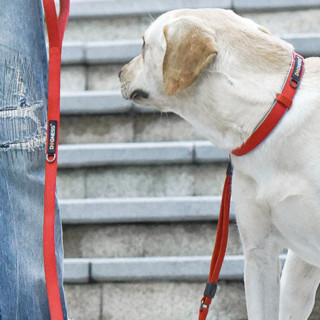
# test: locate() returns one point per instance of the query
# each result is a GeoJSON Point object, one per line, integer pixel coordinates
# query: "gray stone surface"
{"type": "Point", "coordinates": [80, 9]}
{"type": "Point", "coordinates": [167, 300]}
{"type": "Point", "coordinates": [173, 268]}
{"type": "Point", "coordinates": [209, 179]}
{"type": "Point", "coordinates": [71, 184]}
{"type": "Point", "coordinates": [140, 181]}
{"type": "Point", "coordinates": [73, 78]}
{"type": "Point", "coordinates": [103, 154]}
{"type": "Point", "coordinates": [73, 52]}
{"type": "Point", "coordinates": [206, 152]}
{"type": "Point", "coordinates": [83, 9]}
{"type": "Point", "coordinates": [273, 5]}
{"type": "Point", "coordinates": [163, 268]}
{"type": "Point", "coordinates": [133, 28]}
{"type": "Point", "coordinates": [128, 127]}
{"type": "Point", "coordinates": [163, 127]}
{"type": "Point", "coordinates": [181, 301]}
{"type": "Point", "coordinates": [104, 77]}
{"type": "Point", "coordinates": [143, 240]}
{"type": "Point", "coordinates": [76, 271]}
{"type": "Point", "coordinates": [307, 44]}
{"type": "Point", "coordinates": [139, 154]}
{"type": "Point", "coordinates": [97, 129]}
{"type": "Point", "coordinates": [111, 57]}
{"type": "Point", "coordinates": [93, 102]}
{"type": "Point", "coordinates": [154, 181]}
{"type": "Point", "coordinates": [114, 28]}
{"type": "Point", "coordinates": [136, 210]}
{"type": "Point", "coordinates": [118, 52]}
{"type": "Point", "coordinates": [84, 302]}
{"type": "Point", "coordinates": [281, 22]}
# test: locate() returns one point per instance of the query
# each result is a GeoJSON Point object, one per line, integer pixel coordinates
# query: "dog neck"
{"type": "Point", "coordinates": [235, 94]}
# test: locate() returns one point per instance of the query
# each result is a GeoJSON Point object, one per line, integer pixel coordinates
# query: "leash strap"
{"type": "Point", "coordinates": [219, 247]}
{"type": "Point", "coordinates": [56, 27]}
{"type": "Point", "coordinates": [280, 106]}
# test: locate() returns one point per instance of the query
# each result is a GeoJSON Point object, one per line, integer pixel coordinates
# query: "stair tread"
{"type": "Point", "coordinates": [122, 51]}
{"type": "Point", "coordinates": [138, 210]}
{"type": "Point", "coordinates": [181, 268]}
{"type": "Point", "coordinates": [139, 153]}
{"type": "Point", "coordinates": [89, 9]}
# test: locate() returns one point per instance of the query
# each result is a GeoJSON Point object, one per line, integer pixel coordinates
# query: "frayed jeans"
{"type": "Point", "coordinates": [23, 102]}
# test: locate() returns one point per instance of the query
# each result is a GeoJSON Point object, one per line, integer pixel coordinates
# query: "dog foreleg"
{"type": "Point", "coordinates": [262, 246]}
{"type": "Point", "coordinates": [262, 277]}
{"type": "Point", "coordinates": [299, 283]}
{"type": "Point", "coordinates": [262, 270]}
{"type": "Point", "coordinates": [262, 265]}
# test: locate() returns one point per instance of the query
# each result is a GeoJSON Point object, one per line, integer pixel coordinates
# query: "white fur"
{"type": "Point", "coordinates": [276, 188]}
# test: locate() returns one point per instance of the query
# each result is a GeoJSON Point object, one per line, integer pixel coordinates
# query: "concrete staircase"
{"type": "Point", "coordinates": [139, 190]}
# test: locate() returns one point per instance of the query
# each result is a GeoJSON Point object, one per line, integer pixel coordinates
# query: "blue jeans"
{"type": "Point", "coordinates": [23, 102]}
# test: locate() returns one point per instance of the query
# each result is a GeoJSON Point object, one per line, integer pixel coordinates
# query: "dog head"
{"type": "Point", "coordinates": [217, 70]}
{"type": "Point", "coordinates": [176, 49]}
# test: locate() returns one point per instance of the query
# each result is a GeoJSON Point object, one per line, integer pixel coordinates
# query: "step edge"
{"type": "Point", "coordinates": [141, 210]}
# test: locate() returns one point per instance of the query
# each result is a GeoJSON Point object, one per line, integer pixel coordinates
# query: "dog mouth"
{"type": "Point", "coordinates": [139, 94]}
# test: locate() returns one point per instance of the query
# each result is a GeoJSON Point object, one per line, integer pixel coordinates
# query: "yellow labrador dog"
{"type": "Point", "coordinates": [222, 73]}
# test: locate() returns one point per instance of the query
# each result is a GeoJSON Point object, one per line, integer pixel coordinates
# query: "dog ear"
{"type": "Point", "coordinates": [263, 29]}
{"type": "Point", "coordinates": [190, 48]}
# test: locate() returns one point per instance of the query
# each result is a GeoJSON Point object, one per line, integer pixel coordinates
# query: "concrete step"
{"type": "Point", "coordinates": [140, 154]}
{"type": "Point", "coordinates": [135, 181]}
{"type": "Point", "coordinates": [157, 300]}
{"type": "Point", "coordinates": [140, 170]}
{"type": "Point", "coordinates": [110, 8]}
{"type": "Point", "coordinates": [95, 65]}
{"type": "Point", "coordinates": [175, 268]}
{"type": "Point", "coordinates": [145, 240]}
{"type": "Point", "coordinates": [141, 287]}
{"type": "Point", "coordinates": [108, 20]}
{"type": "Point", "coordinates": [153, 300]}
{"type": "Point", "coordinates": [126, 284]}
{"type": "Point", "coordinates": [140, 210]}
{"type": "Point", "coordinates": [104, 116]}
{"type": "Point", "coordinates": [141, 181]}
{"type": "Point", "coordinates": [157, 226]}
{"type": "Point", "coordinates": [128, 127]}
{"type": "Point", "coordinates": [122, 51]}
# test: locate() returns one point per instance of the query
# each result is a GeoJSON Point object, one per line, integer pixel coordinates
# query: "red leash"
{"type": "Point", "coordinates": [219, 247]}
{"type": "Point", "coordinates": [56, 27]}
{"type": "Point", "coordinates": [281, 105]}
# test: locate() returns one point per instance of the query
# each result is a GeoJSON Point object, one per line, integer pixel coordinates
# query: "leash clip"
{"type": "Point", "coordinates": [209, 293]}
{"type": "Point", "coordinates": [294, 83]}
{"type": "Point", "coordinates": [202, 305]}
{"type": "Point", "coordinates": [51, 160]}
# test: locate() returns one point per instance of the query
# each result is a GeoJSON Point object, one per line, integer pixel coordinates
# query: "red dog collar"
{"type": "Point", "coordinates": [280, 106]}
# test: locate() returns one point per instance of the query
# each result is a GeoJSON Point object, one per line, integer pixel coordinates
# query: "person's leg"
{"type": "Point", "coordinates": [23, 101]}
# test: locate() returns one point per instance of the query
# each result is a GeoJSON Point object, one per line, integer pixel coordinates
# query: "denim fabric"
{"type": "Point", "coordinates": [23, 100]}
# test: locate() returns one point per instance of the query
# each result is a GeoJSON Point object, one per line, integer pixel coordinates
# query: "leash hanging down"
{"type": "Point", "coordinates": [280, 106]}
{"type": "Point", "coordinates": [56, 26]}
